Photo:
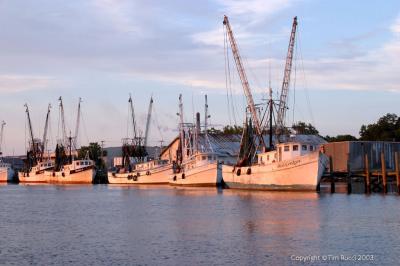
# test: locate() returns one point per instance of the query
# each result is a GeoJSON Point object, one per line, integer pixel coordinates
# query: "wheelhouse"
{"type": "Point", "coordinates": [287, 151]}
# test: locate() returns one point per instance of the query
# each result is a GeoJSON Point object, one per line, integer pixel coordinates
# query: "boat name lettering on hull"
{"type": "Point", "coordinates": [287, 164]}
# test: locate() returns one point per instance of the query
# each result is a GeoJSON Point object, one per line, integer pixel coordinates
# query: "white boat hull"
{"type": "Point", "coordinates": [85, 176]}
{"type": "Point", "coordinates": [155, 176]}
{"type": "Point", "coordinates": [302, 173]}
{"type": "Point", "coordinates": [6, 174]}
{"type": "Point", "coordinates": [205, 175]}
{"type": "Point", "coordinates": [23, 177]}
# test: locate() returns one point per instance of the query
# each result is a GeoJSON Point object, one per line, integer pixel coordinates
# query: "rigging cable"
{"type": "Point", "coordinates": [305, 83]}
{"type": "Point", "coordinates": [58, 126]}
{"type": "Point", "coordinates": [294, 82]}
{"type": "Point", "coordinates": [155, 120]}
{"type": "Point", "coordinates": [84, 128]}
{"type": "Point", "coordinates": [25, 138]}
{"type": "Point", "coordinates": [226, 74]}
{"type": "Point", "coordinates": [127, 123]}
{"type": "Point", "coordinates": [234, 111]}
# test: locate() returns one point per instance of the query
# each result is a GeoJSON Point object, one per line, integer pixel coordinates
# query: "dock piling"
{"type": "Point", "coordinates": [349, 188]}
{"type": "Point", "coordinates": [396, 161]}
{"type": "Point", "coordinates": [332, 185]}
{"type": "Point", "coordinates": [367, 175]}
{"type": "Point", "coordinates": [384, 176]}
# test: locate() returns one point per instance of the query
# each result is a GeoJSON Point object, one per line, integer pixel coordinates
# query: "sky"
{"type": "Point", "coordinates": [346, 69]}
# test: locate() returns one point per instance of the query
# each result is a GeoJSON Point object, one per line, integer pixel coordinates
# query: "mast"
{"type": "Point", "coordinates": [181, 132]}
{"type": "Point", "coordinates": [286, 81]}
{"type": "Point", "coordinates": [46, 126]}
{"type": "Point", "coordinates": [146, 135]}
{"type": "Point", "coordinates": [78, 118]}
{"type": "Point", "coordinates": [271, 110]}
{"type": "Point", "coordinates": [206, 116]}
{"type": "Point", "coordinates": [64, 131]}
{"type": "Point", "coordinates": [70, 147]}
{"type": "Point", "coordinates": [132, 116]}
{"type": "Point", "coordinates": [245, 83]}
{"type": "Point", "coordinates": [1, 135]}
{"type": "Point", "coordinates": [34, 151]}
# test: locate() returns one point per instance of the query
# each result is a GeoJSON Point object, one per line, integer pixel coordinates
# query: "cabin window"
{"type": "Point", "coordinates": [204, 158]}
{"type": "Point", "coordinates": [286, 148]}
{"type": "Point", "coordinates": [311, 147]}
{"type": "Point", "coordinates": [209, 158]}
{"type": "Point", "coordinates": [77, 163]}
{"type": "Point", "coordinates": [304, 147]}
{"type": "Point", "coordinates": [295, 147]}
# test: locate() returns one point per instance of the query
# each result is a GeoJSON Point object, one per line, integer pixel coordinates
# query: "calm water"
{"type": "Point", "coordinates": [104, 225]}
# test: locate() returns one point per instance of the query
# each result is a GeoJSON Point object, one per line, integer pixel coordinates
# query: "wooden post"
{"type": "Point", "coordinates": [396, 161]}
{"type": "Point", "coordinates": [331, 175]}
{"type": "Point", "coordinates": [349, 189]}
{"type": "Point", "coordinates": [384, 177]}
{"type": "Point", "coordinates": [367, 175]}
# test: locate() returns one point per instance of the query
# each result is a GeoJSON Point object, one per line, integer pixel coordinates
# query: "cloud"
{"type": "Point", "coordinates": [20, 83]}
{"type": "Point", "coordinates": [254, 10]}
{"type": "Point", "coordinates": [374, 70]}
{"type": "Point", "coordinates": [117, 12]}
{"type": "Point", "coordinates": [371, 70]}
{"type": "Point", "coordinates": [395, 28]}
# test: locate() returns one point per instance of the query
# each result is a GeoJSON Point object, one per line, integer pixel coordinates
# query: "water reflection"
{"type": "Point", "coordinates": [154, 225]}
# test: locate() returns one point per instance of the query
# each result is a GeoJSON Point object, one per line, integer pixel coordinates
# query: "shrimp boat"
{"type": "Point", "coordinates": [75, 172]}
{"type": "Point", "coordinates": [36, 173]}
{"type": "Point", "coordinates": [6, 171]}
{"type": "Point", "coordinates": [296, 164]}
{"type": "Point", "coordinates": [200, 169]}
{"type": "Point", "coordinates": [136, 167]}
{"type": "Point", "coordinates": [151, 172]}
{"type": "Point", "coordinates": [68, 169]}
{"type": "Point", "coordinates": [293, 162]}
{"type": "Point", "coordinates": [35, 164]}
{"type": "Point", "coordinates": [197, 165]}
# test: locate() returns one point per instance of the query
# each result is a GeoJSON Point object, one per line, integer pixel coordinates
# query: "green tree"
{"type": "Point", "coordinates": [303, 128]}
{"type": "Point", "coordinates": [232, 129]}
{"type": "Point", "coordinates": [94, 152]}
{"type": "Point", "coordinates": [346, 137]}
{"type": "Point", "coordinates": [387, 128]}
{"type": "Point", "coordinates": [214, 131]}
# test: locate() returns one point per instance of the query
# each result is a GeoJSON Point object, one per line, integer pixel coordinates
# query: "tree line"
{"type": "Point", "coordinates": [387, 128]}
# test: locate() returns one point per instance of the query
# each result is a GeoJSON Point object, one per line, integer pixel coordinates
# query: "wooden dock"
{"type": "Point", "coordinates": [373, 180]}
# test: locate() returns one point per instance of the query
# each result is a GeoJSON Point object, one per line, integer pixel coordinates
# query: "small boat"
{"type": "Point", "coordinates": [6, 170]}
{"type": "Point", "coordinates": [36, 173]}
{"type": "Point", "coordinates": [197, 165]}
{"type": "Point", "coordinates": [77, 172]}
{"type": "Point", "coordinates": [200, 169]}
{"type": "Point", "coordinates": [35, 163]}
{"type": "Point", "coordinates": [68, 169]}
{"type": "Point", "coordinates": [136, 167]}
{"type": "Point", "coordinates": [151, 172]}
